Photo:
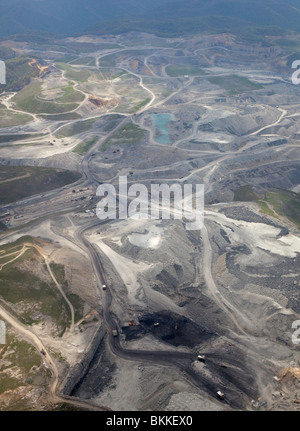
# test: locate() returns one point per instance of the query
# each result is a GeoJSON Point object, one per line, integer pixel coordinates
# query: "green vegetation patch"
{"type": "Point", "coordinates": [6, 53]}
{"type": "Point", "coordinates": [285, 203]}
{"type": "Point", "coordinates": [37, 296]}
{"type": "Point", "coordinates": [277, 202]}
{"type": "Point", "coordinates": [85, 61]}
{"type": "Point", "coordinates": [234, 84]}
{"type": "Point", "coordinates": [10, 119]}
{"type": "Point", "coordinates": [21, 182]}
{"type": "Point", "coordinates": [30, 297]}
{"type": "Point", "coordinates": [75, 128]}
{"type": "Point", "coordinates": [87, 47]}
{"type": "Point", "coordinates": [69, 116]}
{"type": "Point", "coordinates": [64, 407]}
{"type": "Point", "coordinates": [289, 45]}
{"type": "Point", "coordinates": [245, 194]}
{"type": "Point", "coordinates": [78, 305]}
{"type": "Point", "coordinates": [141, 105]}
{"type": "Point", "coordinates": [30, 99]}
{"type": "Point", "coordinates": [19, 137]}
{"type": "Point", "coordinates": [128, 134]}
{"type": "Point", "coordinates": [111, 121]}
{"type": "Point", "coordinates": [110, 59]}
{"type": "Point", "coordinates": [265, 209]}
{"type": "Point", "coordinates": [84, 147]}
{"type": "Point", "coordinates": [8, 383]}
{"type": "Point", "coordinates": [19, 71]}
{"type": "Point", "coordinates": [74, 73]}
{"type": "Point", "coordinates": [24, 355]}
{"type": "Point", "coordinates": [59, 273]}
{"type": "Point", "coordinates": [16, 245]}
{"type": "Point", "coordinates": [181, 70]}
{"type": "Point", "coordinates": [20, 366]}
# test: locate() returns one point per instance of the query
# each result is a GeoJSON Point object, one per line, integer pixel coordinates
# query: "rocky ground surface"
{"type": "Point", "coordinates": [206, 110]}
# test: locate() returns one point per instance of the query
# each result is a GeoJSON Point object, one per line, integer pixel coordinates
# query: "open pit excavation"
{"type": "Point", "coordinates": [135, 313]}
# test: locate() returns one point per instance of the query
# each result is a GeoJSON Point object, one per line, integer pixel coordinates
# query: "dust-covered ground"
{"type": "Point", "coordinates": [204, 110]}
{"type": "Point", "coordinates": [238, 311]}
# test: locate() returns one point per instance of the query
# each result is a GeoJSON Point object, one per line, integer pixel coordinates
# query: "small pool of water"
{"type": "Point", "coordinates": [161, 122]}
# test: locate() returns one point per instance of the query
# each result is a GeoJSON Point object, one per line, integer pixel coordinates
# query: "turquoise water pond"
{"type": "Point", "coordinates": [161, 122]}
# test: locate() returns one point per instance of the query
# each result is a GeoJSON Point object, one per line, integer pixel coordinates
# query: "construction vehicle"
{"type": "Point", "coordinates": [132, 323]}
{"type": "Point", "coordinates": [201, 358]}
{"type": "Point", "coordinates": [220, 395]}
{"type": "Point", "coordinates": [114, 333]}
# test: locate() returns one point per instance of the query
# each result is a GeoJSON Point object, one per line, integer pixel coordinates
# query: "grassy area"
{"type": "Point", "coordinates": [70, 95]}
{"type": "Point", "coordinates": [110, 59]}
{"type": "Point", "coordinates": [85, 61]}
{"type": "Point", "coordinates": [37, 180]}
{"type": "Point", "coordinates": [11, 119]}
{"type": "Point", "coordinates": [19, 137]}
{"type": "Point", "coordinates": [109, 74]}
{"type": "Point", "coordinates": [8, 383]}
{"type": "Point", "coordinates": [76, 301]}
{"type": "Point", "coordinates": [59, 273]}
{"type": "Point", "coordinates": [28, 100]}
{"type": "Point", "coordinates": [75, 128]}
{"type": "Point", "coordinates": [128, 134]}
{"type": "Point", "coordinates": [64, 407]}
{"type": "Point", "coordinates": [112, 121]}
{"type": "Point", "coordinates": [30, 297]}
{"type": "Point", "coordinates": [69, 116]}
{"type": "Point", "coordinates": [245, 194]}
{"type": "Point", "coordinates": [74, 73]}
{"type": "Point", "coordinates": [234, 84]}
{"type": "Point", "coordinates": [22, 354]}
{"type": "Point", "coordinates": [141, 105]}
{"type": "Point", "coordinates": [289, 45]}
{"type": "Point", "coordinates": [78, 306]}
{"type": "Point", "coordinates": [19, 71]}
{"type": "Point", "coordinates": [68, 59]}
{"type": "Point", "coordinates": [84, 147]}
{"type": "Point", "coordinates": [87, 47]}
{"type": "Point", "coordinates": [285, 203]}
{"type": "Point", "coordinates": [19, 286]}
{"type": "Point", "coordinates": [25, 355]}
{"type": "Point", "coordinates": [274, 203]}
{"type": "Point", "coordinates": [21, 367]}
{"type": "Point", "coordinates": [174, 70]}
{"type": "Point", "coordinates": [16, 245]}
{"type": "Point", "coordinates": [265, 209]}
